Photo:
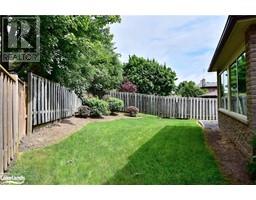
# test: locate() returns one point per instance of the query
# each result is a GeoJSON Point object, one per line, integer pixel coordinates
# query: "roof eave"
{"type": "Point", "coordinates": [231, 21]}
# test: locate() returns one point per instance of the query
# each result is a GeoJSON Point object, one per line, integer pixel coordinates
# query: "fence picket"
{"type": "Point", "coordinates": [170, 106]}
{"type": "Point", "coordinates": [34, 114]}
{"type": "Point", "coordinates": [1, 122]}
{"type": "Point", "coordinates": [50, 101]}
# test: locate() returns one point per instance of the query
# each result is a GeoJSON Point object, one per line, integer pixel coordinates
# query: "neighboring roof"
{"type": "Point", "coordinates": [210, 94]}
{"type": "Point", "coordinates": [231, 22]}
{"type": "Point", "coordinates": [207, 84]}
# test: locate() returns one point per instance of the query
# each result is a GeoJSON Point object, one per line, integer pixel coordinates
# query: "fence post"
{"type": "Point", "coordinates": [16, 112]}
{"type": "Point", "coordinates": [1, 124]}
{"type": "Point", "coordinates": [29, 103]}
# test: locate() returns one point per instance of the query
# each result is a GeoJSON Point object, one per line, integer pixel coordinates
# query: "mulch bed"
{"type": "Point", "coordinates": [232, 163]}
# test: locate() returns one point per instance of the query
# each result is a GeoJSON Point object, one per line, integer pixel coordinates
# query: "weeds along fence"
{"type": "Point", "coordinates": [171, 106]}
{"type": "Point", "coordinates": [49, 101]}
{"type": "Point", "coordinates": [12, 116]}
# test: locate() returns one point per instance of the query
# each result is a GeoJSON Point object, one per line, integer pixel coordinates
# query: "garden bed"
{"type": "Point", "coordinates": [231, 161]}
{"type": "Point", "coordinates": [52, 133]}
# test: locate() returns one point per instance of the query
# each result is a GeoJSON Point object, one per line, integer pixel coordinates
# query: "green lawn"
{"type": "Point", "coordinates": [147, 150]}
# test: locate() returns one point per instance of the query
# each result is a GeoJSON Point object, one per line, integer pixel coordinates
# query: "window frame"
{"type": "Point", "coordinates": [220, 84]}
{"type": "Point", "coordinates": [236, 115]}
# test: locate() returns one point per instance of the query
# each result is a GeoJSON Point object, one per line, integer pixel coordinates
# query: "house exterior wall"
{"type": "Point", "coordinates": [211, 89]}
{"type": "Point", "coordinates": [251, 75]}
{"type": "Point", "coordinates": [240, 133]}
{"type": "Point", "coordinates": [237, 132]}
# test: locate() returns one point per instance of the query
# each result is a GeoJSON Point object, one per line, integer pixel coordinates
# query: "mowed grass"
{"type": "Point", "coordinates": [148, 150]}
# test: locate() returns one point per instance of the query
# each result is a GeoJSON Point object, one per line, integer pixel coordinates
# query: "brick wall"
{"type": "Point", "coordinates": [239, 133]}
{"type": "Point", "coordinates": [251, 75]}
{"type": "Point", "coordinates": [236, 131]}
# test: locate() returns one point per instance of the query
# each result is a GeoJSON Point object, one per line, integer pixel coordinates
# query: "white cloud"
{"type": "Point", "coordinates": [185, 43]}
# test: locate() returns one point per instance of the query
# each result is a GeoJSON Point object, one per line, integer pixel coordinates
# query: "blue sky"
{"type": "Point", "coordinates": [184, 43]}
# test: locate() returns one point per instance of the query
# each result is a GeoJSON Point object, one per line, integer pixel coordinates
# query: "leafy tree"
{"type": "Point", "coordinates": [78, 52]}
{"type": "Point", "coordinates": [189, 89]}
{"type": "Point", "coordinates": [149, 76]}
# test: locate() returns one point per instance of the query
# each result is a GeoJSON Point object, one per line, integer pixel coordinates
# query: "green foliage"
{"type": "Point", "coordinates": [149, 76]}
{"type": "Point", "coordinates": [254, 143]}
{"type": "Point", "coordinates": [98, 107]}
{"type": "Point", "coordinates": [78, 52]}
{"type": "Point", "coordinates": [115, 104]}
{"type": "Point", "coordinates": [145, 151]}
{"type": "Point", "coordinates": [252, 163]}
{"type": "Point", "coordinates": [252, 169]}
{"type": "Point", "coordinates": [84, 111]}
{"type": "Point", "coordinates": [189, 89]}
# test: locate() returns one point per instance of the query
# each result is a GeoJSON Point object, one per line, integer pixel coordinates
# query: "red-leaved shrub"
{"type": "Point", "coordinates": [128, 86]}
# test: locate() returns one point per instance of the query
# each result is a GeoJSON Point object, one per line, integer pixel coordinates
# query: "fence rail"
{"type": "Point", "coordinates": [171, 106]}
{"type": "Point", "coordinates": [49, 101]}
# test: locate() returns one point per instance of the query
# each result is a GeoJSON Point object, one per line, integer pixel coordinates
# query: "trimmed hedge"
{"type": "Point", "coordinates": [115, 104]}
{"type": "Point", "coordinates": [98, 107]}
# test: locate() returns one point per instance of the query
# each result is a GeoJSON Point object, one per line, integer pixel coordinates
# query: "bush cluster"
{"type": "Point", "coordinates": [132, 110]}
{"type": "Point", "coordinates": [99, 107]}
{"type": "Point", "coordinates": [114, 104]}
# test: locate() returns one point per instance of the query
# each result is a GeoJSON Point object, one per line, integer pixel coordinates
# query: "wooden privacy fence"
{"type": "Point", "coordinates": [171, 106]}
{"type": "Point", "coordinates": [12, 116]}
{"type": "Point", "coordinates": [49, 101]}
{"type": "Point", "coordinates": [22, 110]}
{"type": "Point", "coordinates": [24, 106]}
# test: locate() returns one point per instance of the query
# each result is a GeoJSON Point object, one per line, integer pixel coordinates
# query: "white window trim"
{"type": "Point", "coordinates": [237, 116]}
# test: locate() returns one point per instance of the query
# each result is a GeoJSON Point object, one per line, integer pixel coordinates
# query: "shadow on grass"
{"type": "Point", "coordinates": [175, 155]}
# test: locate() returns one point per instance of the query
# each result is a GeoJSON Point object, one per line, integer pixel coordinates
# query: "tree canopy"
{"type": "Point", "coordinates": [189, 89]}
{"type": "Point", "coordinates": [78, 52]}
{"type": "Point", "coordinates": [149, 76]}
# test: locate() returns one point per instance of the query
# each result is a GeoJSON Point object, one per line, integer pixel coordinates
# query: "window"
{"type": "Point", "coordinates": [224, 90]}
{"type": "Point", "coordinates": [233, 87]}
{"type": "Point", "coordinates": [241, 85]}
{"type": "Point", "coordinates": [236, 89]}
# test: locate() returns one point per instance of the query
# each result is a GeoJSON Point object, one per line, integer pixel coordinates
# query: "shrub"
{"type": "Point", "coordinates": [83, 111]}
{"type": "Point", "coordinates": [252, 169]}
{"type": "Point", "coordinates": [132, 110]}
{"type": "Point", "coordinates": [128, 86]}
{"type": "Point", "coordinates": [115, 104]}
{"type": "Point", "coordinates": [252, 163]}
{"type": "Point", "coordinates": [98, 107]}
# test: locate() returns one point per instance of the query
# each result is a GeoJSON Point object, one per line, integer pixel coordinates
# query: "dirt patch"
{"type": "Point", "coordinates": [53, 133]}
{"type": "Point", "coordinates": [232, 163]}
